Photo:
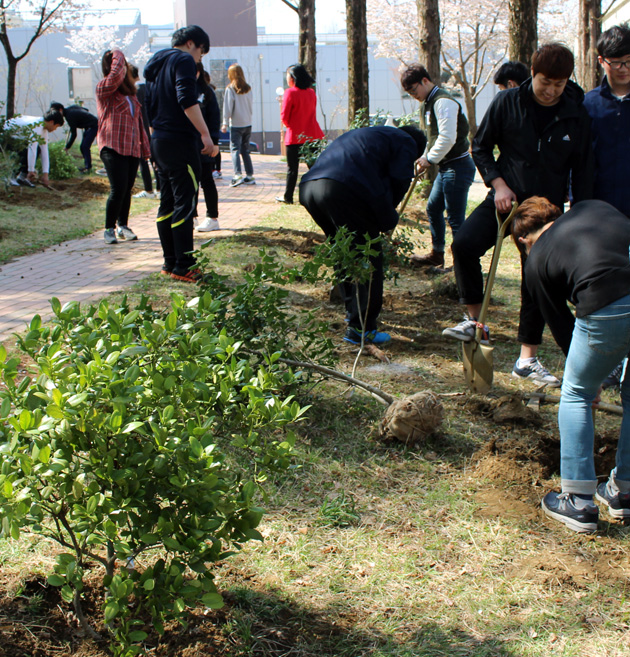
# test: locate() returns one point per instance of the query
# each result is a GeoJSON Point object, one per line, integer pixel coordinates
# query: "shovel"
{"type": "Point", "coordinates": [414, 182]}
{"type": "Point", "coordinates": [477, 357]}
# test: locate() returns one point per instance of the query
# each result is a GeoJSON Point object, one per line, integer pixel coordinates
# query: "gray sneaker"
{"type": "Point", "coordinates": [110, 236]}
{"type": "Point", "coordinates": [465, 331]}
{"type": "Point", "coordinates": [249, 180]}
{"type": "Point", "coordinates": [618, 503]}
{"type": "Point", "coordinates": [536, 372]}
{"type": "Point", "coordinates": [125, 233]}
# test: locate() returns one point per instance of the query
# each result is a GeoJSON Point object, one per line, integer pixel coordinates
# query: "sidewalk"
{"type": "Point", "coordinates": [87, 269]}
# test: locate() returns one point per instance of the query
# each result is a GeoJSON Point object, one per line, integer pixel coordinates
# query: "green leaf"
{"type": "Point", "coordinates": [67, 593]}
{"type": "Point", "coordinates": [55, 580]}
{"type": "Point", "coordinates": [111, 611]}
{"type": "Point", "coordinates": [5, 407]}
{"type": "Point", "coordinates": [137, 635]}
{"type": "Point", "coordinates": [149, 585]}
{"type": "Point", "coordinates": [213, 600]}
{"type": "Point", "coordinates": [7, 488]}
{"type": "Point", "coordinates": [44, 454]}
{"type": "Point", "coordinates": [132, 426]}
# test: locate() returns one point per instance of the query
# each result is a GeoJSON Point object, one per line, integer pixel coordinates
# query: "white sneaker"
{"type": "Point", "coordinates": [536, 372]}
{"type": "Point", "coordinates": [217, 175]}
{"type": "Point", "coordinates": [125, 233]}
{"type": "Point", "coordinates": [208, 225]}
{"type": "Point", "coordinates": [249, 180]}
{"type": "Point", "coordinates": [236, 181]}
{"type": "Point", "coordinates": [465, 331]}
{"type": "Point", "coordinates": [144, 194]}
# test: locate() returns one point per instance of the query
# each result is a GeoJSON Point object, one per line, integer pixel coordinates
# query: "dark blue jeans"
{"type": "Point", "coordinates": [449, 194]}
{"type": "Point", "coordinates": [89, 135]}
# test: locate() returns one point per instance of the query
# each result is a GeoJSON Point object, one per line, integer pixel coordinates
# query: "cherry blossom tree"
{"type": "Point", "coordinates": [38, 17]}
{"type": "Point", "coordinates": [89, 43]}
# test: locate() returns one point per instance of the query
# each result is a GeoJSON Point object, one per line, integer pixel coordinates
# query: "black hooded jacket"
{"type": "Point", "coordinates": [533, 162]}
{"type": "Point", "coordinates": [171, 88]}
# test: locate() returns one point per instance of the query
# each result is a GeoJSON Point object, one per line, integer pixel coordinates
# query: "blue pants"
{"type": "Point", "coordinates": [449, 193]}
{"type": "Point", "coordinates": [600, 341]}
{"type": "Point", "coordinates": [239, 144]}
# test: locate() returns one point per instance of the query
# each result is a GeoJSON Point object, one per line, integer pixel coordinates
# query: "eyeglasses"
{"type": "Point", "coordinates": [616, 66]}
{"type": "Point", "coordinates": [413, 89]}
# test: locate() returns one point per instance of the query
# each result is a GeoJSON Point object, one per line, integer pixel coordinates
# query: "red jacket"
{"type": "Point", "coordinates": [298, 114]}
{"type": "Point", "coordinates": [118, 129]}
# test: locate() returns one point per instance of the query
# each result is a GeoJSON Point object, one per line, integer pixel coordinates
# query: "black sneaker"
{"type": "Point", "coordinates": [613, 380]}
{"type": "Point", "coordinates": [618, 505]}
{"type": "Point", "coordinates": [562, 507]}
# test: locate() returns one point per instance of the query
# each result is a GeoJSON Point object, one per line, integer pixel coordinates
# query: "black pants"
{"type": "Point", "coordinates": [332, 205]}
{"type": "Point", "coordinates": [209, 188]}
{"type": "Point", "coordinates": [89, 135]}
{"type": "Point", "coordinates": [477, 235]}
{"type": "Point", "coordinates": [121, 171]}
{"type": "Point", "coordinates": [178, 167]}
{"type": "Point", "coordinates": [293, 165]}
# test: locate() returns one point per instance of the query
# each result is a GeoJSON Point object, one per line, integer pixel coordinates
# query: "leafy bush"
{"type": "Point", "coordinates": [140, 445]}
{"type": "Point", "coordinates": [13, 140]}
{"type": "Point", "coordinates": [62, 165]}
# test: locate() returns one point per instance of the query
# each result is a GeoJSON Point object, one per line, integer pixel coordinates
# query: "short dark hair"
{"type": "Point", "coordinates": [614, 42]}
{"type": "Point", "coordinates": [554, 61]}
{"type": "Point", "coordinates": [531, 216]}
{"type": "Point", "coordinates": [55, 116]}
{"type": "Point", "coordinates": [191, 33]}
{"type": "Point", "coordinates": [57, 106]}
{"type": "Point", "coordinates": [515, 71]}
{"type": "Point", "coordinates": [413, 74]}
{"type": "Point", "coordinates": [134, 71]}
{"type": "Point", "coordinates": [417, 135]}
{"type": "Point", "coordinates": [301, 76]}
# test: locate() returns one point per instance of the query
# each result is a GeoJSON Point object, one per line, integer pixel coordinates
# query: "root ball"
{"type": "Point", "coordinates": [412, 419]}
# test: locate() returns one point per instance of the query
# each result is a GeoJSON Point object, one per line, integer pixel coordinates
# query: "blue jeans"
{"type": "Point", "coordinates": [239, 144]}
{"type": "Point", "coordinates": [600, 341]}
{"type": "Point", "coordinates": [449, 193]}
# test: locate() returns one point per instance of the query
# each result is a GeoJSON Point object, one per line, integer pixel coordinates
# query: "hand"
{"type": "Point", "coordinates": [503, 196]}
{"type": "Point", "coordinates": [209, 147]}
{"type": "Point", "coordinates": [44, 179]}
{"type": "Point", "coordinates": [223, 128]}
{"type": "Point", "coordinates": [423, 163]}
{"type": "Point", "coordinates": [598, 397]}
{"type": "Point", "coordinates": [32, 176]}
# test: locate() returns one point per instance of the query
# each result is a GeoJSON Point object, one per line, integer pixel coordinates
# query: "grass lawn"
{"type": "Point", "coordinates": [374, 548]}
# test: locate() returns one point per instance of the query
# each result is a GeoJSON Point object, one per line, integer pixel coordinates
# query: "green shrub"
{"type": "Point", "coordinates": [62, 165]}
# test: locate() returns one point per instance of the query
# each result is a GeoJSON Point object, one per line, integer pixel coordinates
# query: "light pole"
{"type": "Point", "coordinates": [262, 105]}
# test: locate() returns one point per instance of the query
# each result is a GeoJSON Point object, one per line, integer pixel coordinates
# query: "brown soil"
{"type": "Point", "coordinates": [64, 193]}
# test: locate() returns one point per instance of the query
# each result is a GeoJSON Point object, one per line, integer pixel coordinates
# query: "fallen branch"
{"type": "Point", "coordinates": [555, 399]}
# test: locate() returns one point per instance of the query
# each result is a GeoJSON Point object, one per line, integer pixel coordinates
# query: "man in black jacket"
{"type": "Point", "coordinates": [78, 118]}
{"type": "Point", "coordinates": [582, 258]}
{"type": "Point", "coordinates": [179, 136]}
{"type": "Point", "coordinates": [542, 132]}
{"type": "Point", "coordinates": [357, 182]}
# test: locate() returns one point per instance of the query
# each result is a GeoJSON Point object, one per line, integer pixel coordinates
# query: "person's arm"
{"type": "Point", "coordinates": [583, 165]}
{"type": "Point", "coordinates": [110, 83]}
{"type": "Point", "coordinates": [43, 149]}
{"type": "Point", "coordinates": [286, 109]}
{"type": "Point", "coordinates": [228, 108]}
{"type": "Point", "coordinates": [72, 134]}
{"type": "Point", "coordinates": [446, 111]}
{"type": "Point", "coordinates": [196, 118]}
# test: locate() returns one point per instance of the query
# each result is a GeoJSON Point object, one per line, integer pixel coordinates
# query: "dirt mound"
{"type": "Point", "coordinates": [64, 193]}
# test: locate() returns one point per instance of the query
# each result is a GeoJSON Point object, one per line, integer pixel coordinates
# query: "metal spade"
{"type": "Point", "coordinates": [477, 357]}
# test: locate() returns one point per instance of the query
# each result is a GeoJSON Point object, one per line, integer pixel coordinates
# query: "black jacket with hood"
{"type": "Point", "coordinates": [534, 163]}
{"type": "Point", "coordinates": [171, 87]}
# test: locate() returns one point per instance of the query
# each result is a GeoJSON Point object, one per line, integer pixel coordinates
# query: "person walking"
{"type": "Point", "coordinates": [122, 141]}
{"type": "Point", "coordinates": [298, 114]}
{"type": "Point", "coordinates": [237, 114]}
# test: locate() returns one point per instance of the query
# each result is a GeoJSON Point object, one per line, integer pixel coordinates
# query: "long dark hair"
{"type": "Point", "coordinates": [300, 76]}
{"type": "Point", "coordinates": [128, 85]}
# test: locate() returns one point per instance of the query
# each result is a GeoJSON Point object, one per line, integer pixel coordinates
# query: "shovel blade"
{"type": "Point", "coordinates": [478, 368]}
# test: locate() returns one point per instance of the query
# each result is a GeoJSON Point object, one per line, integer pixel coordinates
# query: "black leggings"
{"type": "Point", "coordinates": [477, 235]}
{"type": "Point", "coordinates": [121, 171]}
{"type": "Point", "coordinates": [209, 188]}
{"type": "Point", "coordinates": [293, 165]}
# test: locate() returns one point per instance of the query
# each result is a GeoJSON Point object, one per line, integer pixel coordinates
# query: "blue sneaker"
{"type": "Point", "coordinates": [576, 514]}
{"type": "Point", "coordinates": [370, 337]}
{"type": "Point", "coordinates": [618, 503]}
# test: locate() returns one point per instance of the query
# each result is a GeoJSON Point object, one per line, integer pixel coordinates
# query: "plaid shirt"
{"type": "Point", "coordinates": [118, 129]}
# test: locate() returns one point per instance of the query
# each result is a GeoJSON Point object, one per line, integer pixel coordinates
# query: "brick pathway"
{"type": "Point", "coordinates": [87, 269]}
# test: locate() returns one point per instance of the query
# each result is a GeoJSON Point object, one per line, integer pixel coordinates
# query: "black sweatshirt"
{"type": "Point", "coordinates": [583, 258]}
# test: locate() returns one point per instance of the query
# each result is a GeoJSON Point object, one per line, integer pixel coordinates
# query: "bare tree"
{"type": "Point", "coordinates": [523, 30]}
{"type": "Point", "coordinates": [429, 42]}
{"type": "Point", "coordinates": [590, 30]}
{"type": "Point", "coordinates": [358, 74]}
{"type": "Point", "coordinates": [40, 17]}
{"type": "Point", "coordinates": [308, 40]}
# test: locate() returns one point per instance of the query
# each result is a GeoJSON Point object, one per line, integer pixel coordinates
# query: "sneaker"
{"type": "Point", "coordinates": [371, 337]}
{"type": "Point", "coordinates": [281, 199]}
{"type": "Point", "coordinates": [249, 180]}
{"type": "Point", "coordinates": [165, 271]}
{"type": "Point", "coordinates": [217, 175]}
{"type": "Point", "coordinates": [24, 181]}
{"type": "Point", "coordinates": [613, 380]}
{"type": "Point", "coordinates": [466, 329]}
{"type": "Point", "coordinates": [110, 236]}
{"type": "Point", "coordinates": [236, 181]}
{"type": "Point", "coordinates": [101, 172]}
{"type": "Point", "coordinates": [618, 504]}
{"type": "Point", "coordinates": [433, 259]}
{"type": "Point", "coordinates": [144, 194]}
{"type": "Point", "coordinates": [208, 225]}
{"type": "Point", "coordinates": [125, 233]}
{"type": "Point", "coordinates": [536, 372]}
{"type": "Point", "coordinates": [85, 170]}
{"type": "Point", "coordinates": [190, 276]}
{"type": "Point", "coordinates": [12, 182]}
{"type": "Point", "coordinates": [576, 514]}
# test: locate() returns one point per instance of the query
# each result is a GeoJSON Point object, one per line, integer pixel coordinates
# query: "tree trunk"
{"type": "Point", "coordinates": [358, 75]}
{"type": "Point", "coordinates": [523, 30]}
{"type": "Point", "coordinates": [590, 30]}
{"type": "Point", "coordinates": [429, 42]}
{"type": "Point", "coordinates": [9, 109]}
{"type": "Point", "coordinates": [308, 40]}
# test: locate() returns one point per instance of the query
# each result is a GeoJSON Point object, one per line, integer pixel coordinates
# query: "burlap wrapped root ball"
{"type": "Point", "coordinates": [412, 419]}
